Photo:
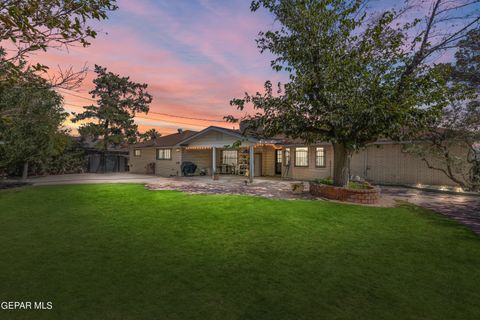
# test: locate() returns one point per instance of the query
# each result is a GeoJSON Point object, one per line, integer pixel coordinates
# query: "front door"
{"type": "Point", "coordinates": [278, 161]}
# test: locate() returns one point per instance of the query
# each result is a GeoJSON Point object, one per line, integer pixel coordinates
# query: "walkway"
{"type": "Point", "coordinates": [463, 208]}
{"type": "Point", "coordinates": [82, 178]}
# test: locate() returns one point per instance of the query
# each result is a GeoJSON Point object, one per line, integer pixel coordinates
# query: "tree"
{"type": "Point", "coordinates": [39, 24]}
{"type": "Point", "coordinates": [30, 134]}
{"type": "Point", "coordinates": [70, 159]}
{"type": "Point", "coordinates": [150, 134]}
{"type": "Point", "coordinates": [353, 76]}
{"type": "Point", "coordinates": [118, 100]}
{"type": "Point", "coordinates": [458, 129]}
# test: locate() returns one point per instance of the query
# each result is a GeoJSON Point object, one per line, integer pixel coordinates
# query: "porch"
{"type": "Point", "coordinates": [246, 161]}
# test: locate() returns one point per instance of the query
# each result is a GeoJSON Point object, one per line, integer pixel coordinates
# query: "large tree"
{"type": "Point", "coordinates": [31, 133]}
{"type": "Point", "coordinates": [451, 143]}
{"type": "Point", "coordinates": [353, 76]}
{"type": "Point", "coordinates": [111, 121]}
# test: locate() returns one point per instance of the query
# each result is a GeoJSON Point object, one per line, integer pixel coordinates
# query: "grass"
{"type": "Point", "coordinates": [122, 252]}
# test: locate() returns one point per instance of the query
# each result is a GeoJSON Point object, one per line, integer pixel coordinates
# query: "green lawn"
{"type": "Point", "coordinates": [122, 252]}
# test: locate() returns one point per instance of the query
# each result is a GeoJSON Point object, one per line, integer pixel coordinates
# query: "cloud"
{"type": "Point", "coordinates": [194, 55]}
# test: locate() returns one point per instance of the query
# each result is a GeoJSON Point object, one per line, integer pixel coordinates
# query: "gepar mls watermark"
{"type": "Point", "coordinates": [26, 305]}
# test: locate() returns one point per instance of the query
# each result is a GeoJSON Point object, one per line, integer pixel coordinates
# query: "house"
{"type": "Point", "coordinates": [217, 150]}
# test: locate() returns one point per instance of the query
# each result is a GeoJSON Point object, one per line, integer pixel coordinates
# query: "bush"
{"type": "Point", "coordinates": [351, 184]}
{"type": "Point", "coordinates": [327, 181]}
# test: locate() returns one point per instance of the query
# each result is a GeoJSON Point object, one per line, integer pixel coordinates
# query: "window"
{"type": "Point", "coordinates": [164, 154]}
{"type": "Point", "coordinates": [278, 161]}
{"type": "Point", "coordinates": [230, 157]}
{"type": "Point", "coordinates": [320, 159]}
{"type": "Point", "coordinates": [278, 157]}
{"type": "Point", "coordinates": [301, 157]}
{"type": "Point", "coordinates": [137, 153]}
{"type": "Point", "coordinates": [287, 156]}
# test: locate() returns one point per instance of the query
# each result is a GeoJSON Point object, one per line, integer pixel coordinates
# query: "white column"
{"type": "Point", "coordinates": [214, 161]}
{"type": "Point", "coordinates": [252, 163]}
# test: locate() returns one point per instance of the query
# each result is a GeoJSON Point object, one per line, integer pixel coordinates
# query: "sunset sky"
{"type": "Point", "coordinates": [195, 55]}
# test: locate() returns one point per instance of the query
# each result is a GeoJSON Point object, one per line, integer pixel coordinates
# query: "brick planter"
{"type": "Point", "coordinates": [363, 196]}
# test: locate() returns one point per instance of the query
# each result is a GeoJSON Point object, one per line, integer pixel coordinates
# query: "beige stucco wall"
{"type": "Point", "coordinates": [383, 164]}
{"type": "Point", "coordinates": [202, 158]}
{"type": "Point", "coordinates": [388, 164]}
{"type": "Point", "coordinates": [139, 164]}
{"type": "Point", "coordinates": [311, 172]}
{"type": "Point", "coordinates": [167, 168]}
{"type": "Point", "coordinates": [268, 160]}
{"type": "Point", "coordinates": [164, 168]}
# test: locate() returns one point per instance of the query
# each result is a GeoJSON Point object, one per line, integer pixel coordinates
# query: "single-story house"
{"type": "Point", "coordinates": [217, 150]}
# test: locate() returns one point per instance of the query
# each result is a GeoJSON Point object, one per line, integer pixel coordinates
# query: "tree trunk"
{"type": "Point", "coordinates": [25, 170]}
{"type": "Point", "coordinates": [340, 165]}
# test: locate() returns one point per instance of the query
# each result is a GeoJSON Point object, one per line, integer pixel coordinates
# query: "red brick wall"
{"type": "Point", "coordinates": [364, 196]}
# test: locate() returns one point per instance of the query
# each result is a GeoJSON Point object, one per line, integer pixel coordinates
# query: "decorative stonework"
{"type": "Point", "coordinates": [363, 196]}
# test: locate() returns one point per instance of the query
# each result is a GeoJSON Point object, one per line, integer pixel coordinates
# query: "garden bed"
{"type": "Point", "coordinates": [365, 195]}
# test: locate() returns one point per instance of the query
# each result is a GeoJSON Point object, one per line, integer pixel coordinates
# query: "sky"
{"type": "Point", "coordinates": [195, 56]}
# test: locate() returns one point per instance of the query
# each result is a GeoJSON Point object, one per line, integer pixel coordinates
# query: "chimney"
{"type": "Point", "coordinates": [180, 130]}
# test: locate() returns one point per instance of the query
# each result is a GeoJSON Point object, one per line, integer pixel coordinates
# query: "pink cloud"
{"type": "Point", "coordinates": [206, 64]}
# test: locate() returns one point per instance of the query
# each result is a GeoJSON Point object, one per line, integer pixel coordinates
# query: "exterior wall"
{"type": "Point", "coordinates": [202, 158]}
{"type": "Point", "coordinates": [163, 168]}
{"type": "Point", "coordinates": [311, 172]}
{"type": "Point", "coordinates": [388, 164]}
{"type": "Point", "coordinates": [167, 168]}
{"type": "Point", "coordinates": [383, 164]}
{"type": "Point", "coordinates": [139, 164]}
{"type": "Point", "coordinates": [268, 160]}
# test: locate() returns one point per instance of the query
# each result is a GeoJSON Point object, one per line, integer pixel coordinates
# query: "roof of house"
{"type": "Point", "coordinates": [231, 132]}
{"type": "Point", "coordinates": [167, 141]}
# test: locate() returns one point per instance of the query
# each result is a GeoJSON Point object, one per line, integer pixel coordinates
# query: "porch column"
{"type": "Point", "coordinates": [214, 161]}
{"type": "Point", "coordinates": [252, 163]}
